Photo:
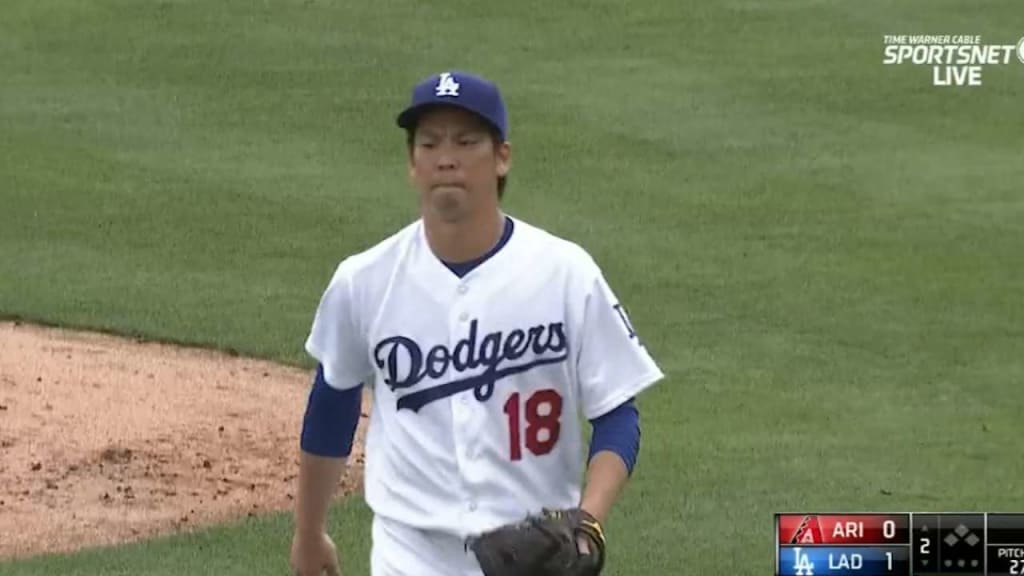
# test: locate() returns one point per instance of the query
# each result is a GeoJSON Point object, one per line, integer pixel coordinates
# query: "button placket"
{"type": "Point", "coordinates": [461, 404]}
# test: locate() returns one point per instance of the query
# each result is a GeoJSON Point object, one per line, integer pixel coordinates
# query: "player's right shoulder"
{"type": "Point", "coordinates": [360, 279]}
{"type": "Point", "coordinates": [365, 266]}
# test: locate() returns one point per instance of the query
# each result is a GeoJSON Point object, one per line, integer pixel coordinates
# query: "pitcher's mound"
{"type": "Point", "coordinates": [105, 440]}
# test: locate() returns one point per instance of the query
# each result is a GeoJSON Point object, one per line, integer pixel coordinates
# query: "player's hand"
{"type": "Point", "coordinates": [314, 556]}
{"type": "Point", "coordinates": [583, 544]}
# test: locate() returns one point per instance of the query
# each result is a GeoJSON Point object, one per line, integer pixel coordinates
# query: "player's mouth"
{"type": "Point", "coordinates": [448, 186]}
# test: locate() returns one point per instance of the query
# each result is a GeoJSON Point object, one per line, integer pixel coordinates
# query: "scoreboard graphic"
{"type": "Point", "coordinates": [899, 544]}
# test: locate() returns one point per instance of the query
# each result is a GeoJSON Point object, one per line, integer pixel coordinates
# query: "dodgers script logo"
{"type": "Point", "coordinates": [405, 365]}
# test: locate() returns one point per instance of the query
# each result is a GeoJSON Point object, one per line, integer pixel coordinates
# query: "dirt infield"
{"type": "Point", "coordinates": [106, 440]}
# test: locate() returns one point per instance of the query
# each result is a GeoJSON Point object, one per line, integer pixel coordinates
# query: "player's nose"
{"type": "Point", "coordinates": [446, 160]}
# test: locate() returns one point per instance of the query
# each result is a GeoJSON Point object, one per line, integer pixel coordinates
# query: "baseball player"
{"type": "Point", "coordinates": [485, 342]}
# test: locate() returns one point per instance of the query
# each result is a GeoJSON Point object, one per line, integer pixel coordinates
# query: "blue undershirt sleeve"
{"type": "Point", "coordinates": [618, 431]}
{"type": "Point", "coordinates": [329, 425]}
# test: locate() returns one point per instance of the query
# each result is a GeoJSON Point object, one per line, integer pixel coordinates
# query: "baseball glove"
{"type": "Point", "coordinates": [542, 545]}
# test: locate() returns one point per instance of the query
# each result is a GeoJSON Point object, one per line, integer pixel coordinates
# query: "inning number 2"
{"type": "Point", "coordinates": [543, 414]}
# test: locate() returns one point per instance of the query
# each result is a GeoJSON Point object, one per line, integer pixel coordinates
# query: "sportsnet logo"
{"type": "Point", "coordinates": [955, 60]}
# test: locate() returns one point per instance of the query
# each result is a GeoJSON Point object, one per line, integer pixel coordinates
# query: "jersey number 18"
{"type": "Point", "coordinates": [543, 412]}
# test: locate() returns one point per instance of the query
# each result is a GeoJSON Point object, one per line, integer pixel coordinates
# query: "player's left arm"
{"type": "Point", "coordinates": [613, 367]}
{"type": "Point", "coordinates": [614, 447]}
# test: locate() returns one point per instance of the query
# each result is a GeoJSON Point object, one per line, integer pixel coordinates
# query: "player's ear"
{"type": "Point", "coordinates": [503, 154]}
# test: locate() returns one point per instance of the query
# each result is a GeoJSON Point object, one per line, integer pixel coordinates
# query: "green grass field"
{"type": "Point", "coordinates": [825, 254]}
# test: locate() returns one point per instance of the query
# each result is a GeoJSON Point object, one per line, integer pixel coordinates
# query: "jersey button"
{"type": "Point", "coordinates": [472, 506]}
{"type": "Point", "coordinates": [462, 289]}
{"type": "Point", "coordinates": [464, 316]}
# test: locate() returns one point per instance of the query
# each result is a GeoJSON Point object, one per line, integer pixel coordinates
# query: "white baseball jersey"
{"type": "Point", "coordinates": [478, 382]}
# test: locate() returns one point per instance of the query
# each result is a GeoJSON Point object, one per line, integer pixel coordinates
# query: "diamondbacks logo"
{"type": "Point", "coordinates": [502, 355]}
{"type": "Point", "coordinates": [446, 85]}
{"type": "Point", "coordinates": [809, 532]}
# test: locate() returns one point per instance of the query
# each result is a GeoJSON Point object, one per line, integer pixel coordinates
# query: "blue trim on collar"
{"type": "Point", "coordinates": [460, 269]}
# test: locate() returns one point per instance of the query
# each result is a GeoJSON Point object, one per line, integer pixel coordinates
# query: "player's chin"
{"type": "Point", "coordinates": [449, 203]}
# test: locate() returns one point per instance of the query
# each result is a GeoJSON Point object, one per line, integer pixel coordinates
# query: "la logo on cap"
{"type": "Point", "coordinates": [446, 85]}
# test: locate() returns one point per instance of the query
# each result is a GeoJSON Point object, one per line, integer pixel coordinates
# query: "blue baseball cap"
{"type": "Point", "coordinates": [462, 90]}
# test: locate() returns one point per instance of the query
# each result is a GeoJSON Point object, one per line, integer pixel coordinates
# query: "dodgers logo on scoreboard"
{"type": "Point", "coordinates": [802, 565]}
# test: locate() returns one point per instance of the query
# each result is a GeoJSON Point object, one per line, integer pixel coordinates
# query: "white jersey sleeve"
{"type": "Point", "coordinates": [337, 339]}
{"type": "Point", "coordinates": [613, 364]}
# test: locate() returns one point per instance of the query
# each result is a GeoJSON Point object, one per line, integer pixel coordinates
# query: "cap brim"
{"type": "Point", "coordinates": [411, 115]}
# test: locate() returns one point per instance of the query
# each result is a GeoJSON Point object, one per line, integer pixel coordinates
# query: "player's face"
{"type": "Point", "coordinates": [455, 164]}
